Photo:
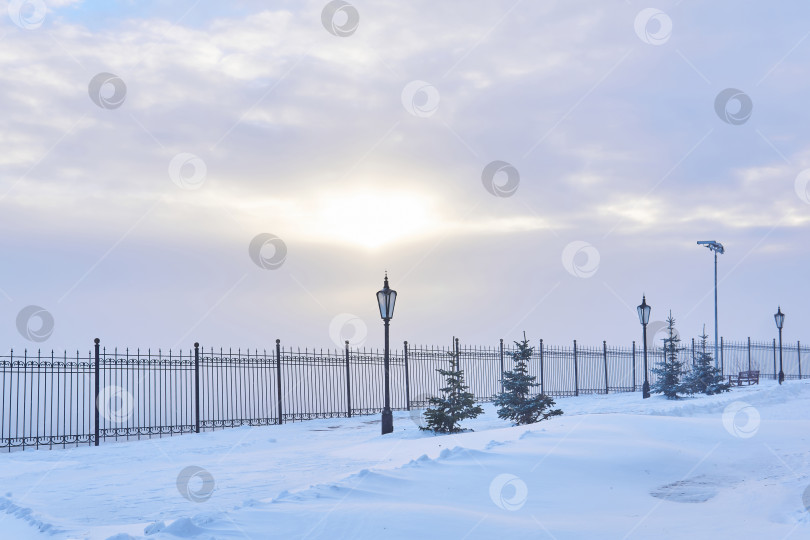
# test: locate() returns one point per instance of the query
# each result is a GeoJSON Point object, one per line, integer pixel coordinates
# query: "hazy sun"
{"type": "Point", "coordinates": [372, 220]}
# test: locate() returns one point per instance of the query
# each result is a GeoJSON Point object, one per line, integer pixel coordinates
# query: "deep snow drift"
{"type": "Point", "coordinates": [615, 466]}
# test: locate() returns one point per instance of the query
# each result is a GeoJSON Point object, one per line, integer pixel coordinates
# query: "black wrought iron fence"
{"type": "Point", "coordinates": [49, 400]}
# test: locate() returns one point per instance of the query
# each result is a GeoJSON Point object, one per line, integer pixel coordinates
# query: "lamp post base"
{"type": "Point", "coordinates": [781, 377]}
{"type": "Point", "coordinates": [645, 390]}
{"type": "Point", "coordinates": [387, 421]}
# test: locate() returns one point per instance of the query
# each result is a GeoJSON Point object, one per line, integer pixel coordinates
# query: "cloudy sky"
{"type": "Point", "coordinates": [236, 172]}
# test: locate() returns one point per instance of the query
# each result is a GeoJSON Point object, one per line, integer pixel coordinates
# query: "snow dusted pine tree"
{"type": "Point", "coordinates": [669, 373]}
{"type": "Point", "coordinates": [514, 401]}
{"type": "Point", "coordinates": [704, 377]}
{"type": "Point", "coordinates": [455, 404]}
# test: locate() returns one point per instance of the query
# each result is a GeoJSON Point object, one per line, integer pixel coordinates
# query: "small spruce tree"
{"type": "Point", "coordinates": [514, 401]}
{"type": "Point", "coordinates": [670, 371]}
{"type": "Point", "coordinates": [455, 404]}
{"type": "Point", "coordinates": [704, 377]}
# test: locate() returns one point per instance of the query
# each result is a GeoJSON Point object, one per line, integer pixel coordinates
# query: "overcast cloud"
{"type": "Point", "coordinates": [128, 213]}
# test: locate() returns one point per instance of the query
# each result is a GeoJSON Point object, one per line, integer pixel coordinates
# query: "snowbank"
{"type": "Point", "coordinates": [615, 466]}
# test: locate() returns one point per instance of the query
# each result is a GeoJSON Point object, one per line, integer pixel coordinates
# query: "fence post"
{"type": "Point", "coordinates": [799, 353]}
{"type": "Point", "coordinates": [749, 353]}
{"type": "Point", "coordinates": [407, 381]}
{"type": "Point", "coordinates": [576, 373]}
{"type": "Point", "coordinates": [458, 357]}
{"type": "Point", "coordinates": [604, 354]}
{"type": "Point", "coordinates": [542, 385]}
{"type": "Point", "coordinates": [774, 359]}
{"type": "Point", "coordinates": [722, 364]}
{"type": "Point", "coordinates": [348, 384]}
{"type": "Point", "coordinates": [634, 365]}
{"type": "Point", "coordinates": [278, 381]}
{"type": "Point", "coordinates": [97, 431]}
{"type": "Point", "coordinates": [541, 388]}
{"type": "Point", "coordinates": [196, 387]}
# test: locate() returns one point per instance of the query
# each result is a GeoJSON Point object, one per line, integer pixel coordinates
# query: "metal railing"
{"type": "Point", "coordinates": [49, 400]}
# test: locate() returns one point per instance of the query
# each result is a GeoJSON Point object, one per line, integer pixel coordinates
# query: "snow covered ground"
{"type": "Point", "coordinates": [730, 466]}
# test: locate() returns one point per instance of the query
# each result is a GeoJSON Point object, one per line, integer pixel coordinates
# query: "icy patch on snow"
{"type": "Point", "coordinates": [697, 489]}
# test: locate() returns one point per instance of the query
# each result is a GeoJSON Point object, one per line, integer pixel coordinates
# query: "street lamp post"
{"type": "Point", "coordinates": [644, 318]}
{"type": "Point", "coordinates": [717, 247]}
{"type": "Point", "coordinates": [386, 298]}
{"type": "Point", "coordinates": [779, 317]}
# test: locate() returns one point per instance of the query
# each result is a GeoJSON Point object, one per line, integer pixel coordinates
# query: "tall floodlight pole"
{"type": "Point", "coordinates": [386, 298]}
{"type": "Point", "coordinates": [717, 247]}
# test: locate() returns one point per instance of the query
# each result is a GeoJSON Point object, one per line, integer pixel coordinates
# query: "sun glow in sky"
{"type": "Point", "coordinates": [372, 219]}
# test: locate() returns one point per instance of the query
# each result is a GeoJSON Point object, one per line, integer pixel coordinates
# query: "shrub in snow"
{"type": "Point", "coordinates": [669, 373]}
{"type": "Point", "coordinates": [455, 403]}
{"type": "Point", "coordinates": [515, 402]}
{"type": "Point", "coordinates": [704, 377]}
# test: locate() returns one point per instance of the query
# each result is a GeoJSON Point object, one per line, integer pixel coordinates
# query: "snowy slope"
{"type": "Point", "coordinates": [616, 466]}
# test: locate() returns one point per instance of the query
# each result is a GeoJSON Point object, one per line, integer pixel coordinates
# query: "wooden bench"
{"type": "Point", "coordinates": [748, 377]}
